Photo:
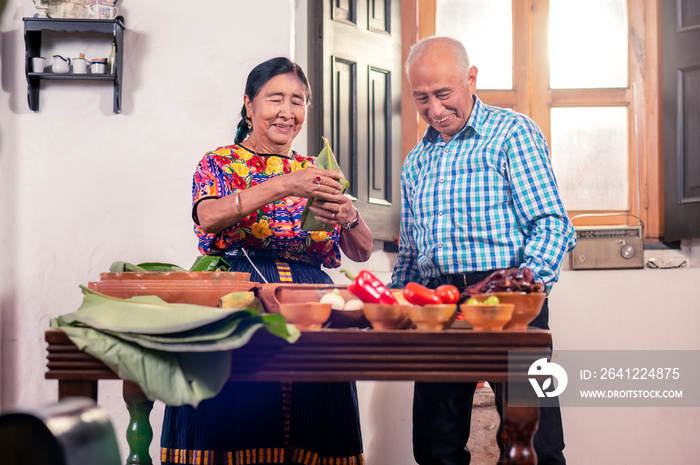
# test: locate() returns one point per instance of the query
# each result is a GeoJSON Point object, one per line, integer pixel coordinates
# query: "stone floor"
{"type": "Point", "coordinates": [485, 421]}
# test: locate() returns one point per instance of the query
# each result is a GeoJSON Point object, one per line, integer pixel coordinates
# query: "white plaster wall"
{"type": "Point", "coordinates": [81, 187]}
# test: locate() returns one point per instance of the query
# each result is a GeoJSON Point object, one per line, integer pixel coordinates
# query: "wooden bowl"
{"type": "Point", "coordinates": [527, 306]}
{"type": "Point", "coordinates": [307, 316]}
{"type": "Point", "coordinates": [387, 316]}
{"type": "Point", "coordinates": [432, 317]}
{"type": "Point", "coordinates": [485, 317]}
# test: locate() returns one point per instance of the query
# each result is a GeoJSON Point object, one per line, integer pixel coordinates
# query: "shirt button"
{"type": "Point", "coordinates": [440, 213]}
{"type": "Point", "coordinates": [442, 180]}
{"type": "Point", "coordinates": [446, 150]}
{"type": "Point", "coordinates": [439, 245]}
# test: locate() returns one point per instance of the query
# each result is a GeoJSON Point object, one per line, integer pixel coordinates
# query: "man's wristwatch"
{"type": "Point", "coordinates": [353, 224]}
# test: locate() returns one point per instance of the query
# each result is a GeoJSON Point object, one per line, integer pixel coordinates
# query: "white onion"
{"type": "Point", "coordinates": [335, 299]}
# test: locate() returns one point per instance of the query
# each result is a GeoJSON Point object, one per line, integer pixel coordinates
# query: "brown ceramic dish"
{"type": "Point", "coordinates": [432, 317]}
{"type": "Point", "coordinates": [387, 316]}
{"type": "Point", "coordinates": [527, 306]}
{"type": "Point", "coordinates": [197, 288]}
{"type": "Point", "coordinates": [485, 317]}
{"type": "Point", "coordinates": [307, 316]}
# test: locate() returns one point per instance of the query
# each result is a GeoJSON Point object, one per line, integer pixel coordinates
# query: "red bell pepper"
{"type": "Point", "coordinates": [369, 289]}
{"type": "Point", "coordinates": [448, 293]}
{"type": "Point", "coordinates": [420, 295]}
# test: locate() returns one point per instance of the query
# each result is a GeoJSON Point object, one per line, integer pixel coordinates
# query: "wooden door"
{"type": "Point", "coordinates": [681, 77]}
{"type": "Point", "coordinates": [355, 72]}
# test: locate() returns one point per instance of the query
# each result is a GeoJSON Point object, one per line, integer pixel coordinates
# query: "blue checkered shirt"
{"type": "Point", "coordinates": [485, 200]}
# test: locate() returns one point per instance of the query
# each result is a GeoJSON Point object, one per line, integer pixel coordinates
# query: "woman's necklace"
{"type": "Point", "coordinates": [288, 157]}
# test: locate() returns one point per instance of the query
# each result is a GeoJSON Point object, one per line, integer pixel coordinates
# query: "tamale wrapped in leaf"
{"type": "Point", "coordinates": [325, 160]}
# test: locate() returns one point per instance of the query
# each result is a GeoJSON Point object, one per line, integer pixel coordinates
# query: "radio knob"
{"type": "Point", "coordinates": [627, 251]}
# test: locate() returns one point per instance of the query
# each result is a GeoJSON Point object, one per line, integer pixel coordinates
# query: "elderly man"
{"type": "Point", "coordinates": [478, 195]}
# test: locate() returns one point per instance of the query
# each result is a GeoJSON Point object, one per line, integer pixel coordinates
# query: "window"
{"type": "Point", "coordinates": [587, 71]}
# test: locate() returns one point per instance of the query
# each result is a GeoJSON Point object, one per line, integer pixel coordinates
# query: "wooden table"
{"type": "Point", "coordinates": [453, 355]}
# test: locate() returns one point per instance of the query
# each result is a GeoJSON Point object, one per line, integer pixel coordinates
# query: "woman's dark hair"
{"type": "Point", "coordinates": [258, 77]}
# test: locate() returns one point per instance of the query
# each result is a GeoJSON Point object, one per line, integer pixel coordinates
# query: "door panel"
{"type": "Point", "coordinates": [681, 64]}
{"type": "Point", "coordinates": [344, 119]}
{"type": "Point", "coordinates": [378, 190]}
{"type": "Point", "coordinates": [355, 73]}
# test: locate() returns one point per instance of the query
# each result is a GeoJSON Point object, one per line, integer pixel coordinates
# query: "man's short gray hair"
{"type": "Point", "coordinates": [430, 45]}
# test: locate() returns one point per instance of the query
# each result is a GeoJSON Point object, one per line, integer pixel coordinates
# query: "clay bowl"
{"type": "Point", "coordinates": [432, 317]}
{"type": "Point", "coordinates": [527, 306]}
{"type": "Point", "coordinates": [187, 287]}
{"type": "Point", "coordinates": [484, 317]}
{"type": "Point", "coordinates": [307, 316]}
{"type": "Point", "coordinates": [387, 316]}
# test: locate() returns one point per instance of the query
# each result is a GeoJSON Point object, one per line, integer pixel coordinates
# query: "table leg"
{"type": "Point", "coordinates": [501, 435]}
{"type": "Point", "coordinates": [518, 424]}
{"type": "Point", "coordinates": [139, 433]}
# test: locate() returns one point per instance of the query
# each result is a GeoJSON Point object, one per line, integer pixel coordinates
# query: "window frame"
{"type": "Point", "coordinates": [532, 96]}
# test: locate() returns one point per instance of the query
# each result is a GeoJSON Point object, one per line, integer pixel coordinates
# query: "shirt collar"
{"type": "Point", "coordinates": [475, 121]}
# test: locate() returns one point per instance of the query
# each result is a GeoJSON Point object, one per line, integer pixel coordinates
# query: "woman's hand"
{"type": "Point", "coordinates": [312, 182]}
{"type": "Point", "coordinates": [329, 206]}
{"type": "Point", "coordinates": [333, 209]}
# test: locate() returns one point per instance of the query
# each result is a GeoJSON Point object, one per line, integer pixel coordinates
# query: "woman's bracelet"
{"type": "Point", "coordinates": [350, 225]}
{"type": "Point", "coordinates": [238, 204]}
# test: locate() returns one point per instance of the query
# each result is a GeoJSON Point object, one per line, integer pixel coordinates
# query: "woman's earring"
{"type": "Point", "coordinates": [249, 122]}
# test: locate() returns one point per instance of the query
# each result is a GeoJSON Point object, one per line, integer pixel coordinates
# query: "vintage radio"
{"type": "Point", "coordinates": [608, 247]}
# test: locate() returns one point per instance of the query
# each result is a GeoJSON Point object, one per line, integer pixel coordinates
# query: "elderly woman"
{"type": "Point", "coordinates": [248, 200]}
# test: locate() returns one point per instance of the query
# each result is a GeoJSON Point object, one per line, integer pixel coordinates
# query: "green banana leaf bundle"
{"type": "Point", "coordinates": [177, 353]}
{"type": "Point", "coordinates": [202, 263]}
{"type": "Point", "coordinates": [325, 160]}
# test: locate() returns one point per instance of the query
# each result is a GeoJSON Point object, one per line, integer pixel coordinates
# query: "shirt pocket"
{"type": "Point", "coordinates": [486, 195]}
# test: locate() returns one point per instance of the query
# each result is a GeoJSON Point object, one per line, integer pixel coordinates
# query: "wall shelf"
{"type": "Point", "coordinates": [33, 29]}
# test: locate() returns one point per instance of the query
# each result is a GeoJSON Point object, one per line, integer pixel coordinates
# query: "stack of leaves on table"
{"type": "Point", "coordinates": [177, 353]}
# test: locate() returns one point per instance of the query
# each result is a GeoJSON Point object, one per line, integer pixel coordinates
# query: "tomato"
{"type": "Point", "coordinates": [420, 295]}
{"type": "Point", "coordinates": [448, 293]}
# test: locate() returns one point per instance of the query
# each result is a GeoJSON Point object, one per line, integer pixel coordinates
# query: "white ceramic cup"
{"type": "Point", "coordinates": [79, 65]}
{"type": "Point", "coordinates": [98, 67]}
{"type": "Point", "coordinates": [38, 64]}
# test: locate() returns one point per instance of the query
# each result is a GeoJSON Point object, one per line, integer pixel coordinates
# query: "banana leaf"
{"type": "Point", "coordinates": [178, 353]}
{"type": "Point", "coordinates": [238, 337]}
{"type": "Point", "coordinates": [202, 263]}
{"type": "Point", "coordinates": [210, 263]}
{"type": "Point", "coordinates": [211, 332]}
{"type": "Point", "coordinates": [146, 314]}
{"type": "Point", "coordinates": [175, 378]}
{"type": "Point", "coordinates": [230, 334]}
{"type": "Point", "coordinates": [157, 266]}
{"type": "Point", "coordinates": [324, 160]}
{"type": "Point", "coordinates": [118, 267]}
